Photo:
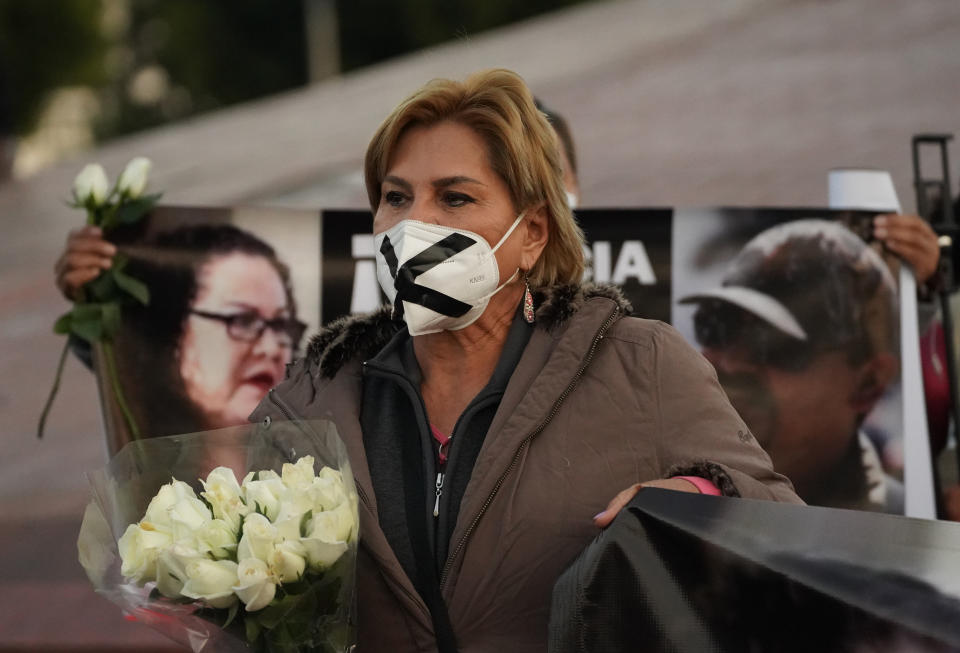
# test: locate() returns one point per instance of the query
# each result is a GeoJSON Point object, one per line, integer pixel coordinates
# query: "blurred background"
{"type": "Point", "coordinates": [696, 102]}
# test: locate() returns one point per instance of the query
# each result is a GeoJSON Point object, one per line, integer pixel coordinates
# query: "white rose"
{"type": "Point", "coordinates": [321, 554]}
{"type": "Point", "coordinates": [91, 184]}
{"type": "Point", "coordinates": [212, 581]}
{"type": "Point", "coordinates": [298, 475]}
{"type": "Point", "coordinates": [133, 179]}
{"type": "Point", "coordinates": [217, 538]}
{"type": "Point", "coordinates": [259, 538]}
{"type": "Point", "coordinates": [264, 495]}
{"type": "Point", "coordinates": [222, 492]}
{"type": "Point", "coordinates": [327, 491]}
{"type": "Point", "coordinates": [290, 513]}
{"type": "Point", "coordinates": [335, 525]}
{"type": "Point", "coordinates": [288, 561]}
{"type": "Point", "coordinates": [172, 569]}
{"type": "Point", "coordinates": [158, 512]}
{"type": "Point", "coordinates": [188, 516]}
{"type": "Point", "coordinates": [255, 586]}
{"type": "Point", "coordinates": [139, 547]}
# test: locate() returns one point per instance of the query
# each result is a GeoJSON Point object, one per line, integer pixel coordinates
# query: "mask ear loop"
{"type": "Point", "coordinates": [509, 231]}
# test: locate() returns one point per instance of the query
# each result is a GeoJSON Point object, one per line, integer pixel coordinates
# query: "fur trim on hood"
{"type": "Point", "coordinates": [365, 335]}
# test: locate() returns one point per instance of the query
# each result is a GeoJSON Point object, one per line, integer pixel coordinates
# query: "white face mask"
{"type": "Point", "coordinates": [438, 278]}
{"type": "Point", "coordinates": [572, 200]}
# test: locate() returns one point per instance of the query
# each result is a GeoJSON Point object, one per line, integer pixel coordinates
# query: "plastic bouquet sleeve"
{"type": "Point", "coordinates": [230, 540]}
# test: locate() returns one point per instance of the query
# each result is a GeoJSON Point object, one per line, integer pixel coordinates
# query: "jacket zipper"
{"type": "Point", "coordinates": [601, 332]}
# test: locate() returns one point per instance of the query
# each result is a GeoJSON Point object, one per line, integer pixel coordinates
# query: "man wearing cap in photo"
{"type": "Point", "coordinates": [803, 334]}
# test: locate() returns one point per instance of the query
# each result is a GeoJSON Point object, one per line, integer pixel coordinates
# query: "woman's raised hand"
{"type": "Point", "coordinates": [85, 256]}
{"type": "Point", "coordinates": [912, 239]}
{"type": "Point", "coordinates": [603, 519]}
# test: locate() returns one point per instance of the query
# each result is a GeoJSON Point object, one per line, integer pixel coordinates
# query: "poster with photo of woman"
{"type": "Point", "coordinates": [233, 295]}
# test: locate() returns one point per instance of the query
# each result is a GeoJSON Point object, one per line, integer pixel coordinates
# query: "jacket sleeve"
{"type": "Point", "coordinates": [700, 433]}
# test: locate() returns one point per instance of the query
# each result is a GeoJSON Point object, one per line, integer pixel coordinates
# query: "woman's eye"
{"type": "Point", "coordinates": [456, 199]}
{"type": "Point", "coordinates": [393, 198]}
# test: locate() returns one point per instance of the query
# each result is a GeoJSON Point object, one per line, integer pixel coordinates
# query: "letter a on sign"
{"type": "Point", "coordinates": [633, 263]}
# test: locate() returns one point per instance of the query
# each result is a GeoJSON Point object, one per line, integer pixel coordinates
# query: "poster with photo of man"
{"type": "Point", "coordinates": [800, 317]}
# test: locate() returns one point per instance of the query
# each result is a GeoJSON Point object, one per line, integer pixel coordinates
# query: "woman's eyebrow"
{"type": "Point", "coordinates": [454, 180]}
{"type": "Point", "coordinates": [397, 181]}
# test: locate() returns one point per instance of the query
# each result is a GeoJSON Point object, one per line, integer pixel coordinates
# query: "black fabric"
{"type": "Point", "coordinates": [401, 456]}
{"type": "Point", "coordinates": [687, 572]}
{"type": "Point", "coordinates": [82, 350]}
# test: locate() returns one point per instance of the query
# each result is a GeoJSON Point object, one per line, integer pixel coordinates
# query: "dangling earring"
{"type": "Point", "coordinates": [527, 300]}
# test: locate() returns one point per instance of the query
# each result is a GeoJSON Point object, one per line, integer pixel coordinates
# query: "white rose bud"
{"type": "Point", "coordinates": [327, 490]}
{"type": "Point", "coordinates": [291, 510]}
{"type": "Point", "coordinates": [139, 547]}
{"type": "Point", "coordinates": [217, 538]}
{"type": "Point", "coordinates": [255, 586]}
{"type": "Point", "coordinates": [133, 179]}
{"type": "Point", "coordinates": [298, 475]}
{"type": "Point", "coordinates": [335, 525]}
{"type": "Point", "coordinates": [288, 561]}
{"type": "Point", "coordinates": [264, 495]}
{"type": "Point", "coordinates": [188, 516]}
{"type": "Point", "coordinates": [158, 512]}
{"type": "Point", "coordinates": [259, 538]}
{"type": "Point", "coordinates": [212, 581]}
{"type": "Point", "coordinates": [172, 569]}
{"type": "Point", "coordinates": [223, 493]}
{"type": "Point", "coordinates": [91, 184]}
{"type": "Point", "coordinates": [322, 554]}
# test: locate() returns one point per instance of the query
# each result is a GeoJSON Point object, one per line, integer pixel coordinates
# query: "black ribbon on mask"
{"type": "Point", "coordinates": [405, 276]}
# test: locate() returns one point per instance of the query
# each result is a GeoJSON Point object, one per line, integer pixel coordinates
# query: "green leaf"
{"type": "Point", "coordinates": [231, 614]}
{"type": "Point", "coordinates": [62, 325]}
{"type": "Point", "coordinates": [133, 287]}
{"type": "Point", "coordinates": [252, 627]}
{"type": "Point", "coordinates": [103, 287]}
{"type": "Point", "coordinates": [110, 320]}
{"type": "Point", "coordinates": [133, 210]}
{"type": "Point", "coordinates": [87, 322]}
{"type": "Point", "coordinates": [304, 521]}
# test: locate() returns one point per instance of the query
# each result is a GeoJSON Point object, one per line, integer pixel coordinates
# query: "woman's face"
{"type": "Point", "coordinates": [226, 376]}
{"type": "Point", "coordinates": [441, 175]}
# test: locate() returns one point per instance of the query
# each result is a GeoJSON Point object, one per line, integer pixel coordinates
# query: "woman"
{"type": "Point", "coordinates": [218, 332]}
{"type": "Point", "coordinates": [498, 404]}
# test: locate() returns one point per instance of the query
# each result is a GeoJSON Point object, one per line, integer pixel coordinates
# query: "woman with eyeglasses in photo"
{"type": "Point", "coordinates": [219, 330]}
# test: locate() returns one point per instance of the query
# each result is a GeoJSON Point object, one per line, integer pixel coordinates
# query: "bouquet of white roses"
{"type": "Point", "coordinates": [265, 563]}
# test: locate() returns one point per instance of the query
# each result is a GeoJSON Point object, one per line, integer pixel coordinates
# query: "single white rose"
{"type": "Point", "coordinates": [259, 538]}
{"type": "Point", "coordinates": [158, 512]}
{"type": "Point", "coordinates": [298, 475]}
{"type": "Point", "coordinates": [188, 516]}
{"type": "Point", "coordinates": [264, 495]}
{"type": "Point", "coordinates": [321, 554]}
{"type": "Point", "coordinates": [255, 586]}
{"type": "Point", "coordinates": [139, 547]}
{"type": "Point", "coordinates": [222, 492]}
{"type": "Point", "coordinates": [217, 538]}
{"type": "Point", "coordinates": [172, 569]}
{"type": "Point", "coordinates": [337, 525]}
{"type": "Point", "coordinates": [291, 510]}
{"type": "Point", "coordinates": [133, 179]}
{"type": "Point", "coordinates": [327, 491]}
{"type": "Point", "coordinates": [91, 185]}
{"type": "Point", "coordinates": [288, 560]}
{"type": "Point", "coordinates": [212, 581]}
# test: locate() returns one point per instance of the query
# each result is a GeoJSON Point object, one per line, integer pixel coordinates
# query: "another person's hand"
{"type": "Point", "coordinates": [951, 503]}
{"type": "Point", "coordinates": [603, 519]}
{"type": "Point", "coordinates": [86, 255]}
{"type": "Point", "coordinates": [912, 239]}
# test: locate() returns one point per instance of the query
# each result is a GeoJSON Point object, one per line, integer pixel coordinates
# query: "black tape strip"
{"type": "Point", "coordinates": [405, 277]}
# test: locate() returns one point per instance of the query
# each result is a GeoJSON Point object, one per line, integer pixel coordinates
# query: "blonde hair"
{"type": "Point", "coordinates": [522, 149]}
